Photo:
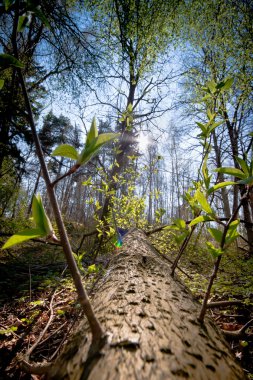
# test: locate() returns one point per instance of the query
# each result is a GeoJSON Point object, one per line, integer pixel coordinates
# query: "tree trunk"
{"type": "Point", "coordinates": [152, 327]}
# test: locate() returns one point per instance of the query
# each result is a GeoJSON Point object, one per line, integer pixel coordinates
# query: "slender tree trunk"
{"type": "Point", "coordinates": [248, 226]}
{"type": "Point", "coordinates": [152, 327]}
{"type": "Point", "coordinates": [233, 135]}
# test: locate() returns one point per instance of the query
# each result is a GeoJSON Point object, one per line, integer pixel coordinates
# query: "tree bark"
{"type": "Point", "coordinates": [152, 327]}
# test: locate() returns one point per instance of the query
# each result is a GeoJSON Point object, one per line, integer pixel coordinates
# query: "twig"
{"type": "Point", "coordinates": [38, 368]}
{"type": "Point", "coordinates": [223, 304]}
{"type": "Point", "coordinates": [32, 348]}
{"type": "Point", "coordinates": [181, 251]}
{"type": "Point", "coordinates": [72, 170]}
{"type": "Point", "coordinates": [171, 262]}
{"type": "Point", "coordinates": [246, 241]}
{"type": "Point", "coordinates": [63, 340]}
{"type": "Point", "coordinates": [238, 333]}
{"type": "Point", "coordinates": [158, 229]}
{"type": "Point", "coordinates": [53, 333]}
{"type": "Point", "coordinates": [84, 236]}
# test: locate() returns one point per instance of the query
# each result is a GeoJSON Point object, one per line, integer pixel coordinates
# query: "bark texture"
{"type": "Point", "coordinates": [151, 321]}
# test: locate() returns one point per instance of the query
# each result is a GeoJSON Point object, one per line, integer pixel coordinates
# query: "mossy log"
{"type": "Point", "coordinates": [152, 326]}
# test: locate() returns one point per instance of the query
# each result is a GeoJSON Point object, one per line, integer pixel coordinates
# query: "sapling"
{"type": "Point", "coordinates": [198, 196]}
{"type": "Point", "coordinates": [93, 143]}
{"type": "Point", "coordinates": [43, 225]}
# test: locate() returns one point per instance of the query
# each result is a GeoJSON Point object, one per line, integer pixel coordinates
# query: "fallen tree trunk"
{"type": "Point", "coordinates": [151, 321]}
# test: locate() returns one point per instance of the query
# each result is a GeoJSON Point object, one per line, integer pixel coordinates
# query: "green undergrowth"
{"type": "Point", "coordinates": [30, 269]}
{"type": "Point", "coordinates": [234, 278]}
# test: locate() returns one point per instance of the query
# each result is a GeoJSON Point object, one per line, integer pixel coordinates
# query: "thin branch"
{"type": "Point", "coordinates": [32, 348]}
{"type": "Point", "coordinates": [164, 256]}
{"type": "Point", "coordinates": [69, 172]}
{"type": "Point", "coordinates": [239, 333]}
{"type": "Point", "coordinates": [218, 260]}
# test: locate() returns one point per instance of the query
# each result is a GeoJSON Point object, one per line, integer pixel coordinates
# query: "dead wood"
{"type": "Point", "coordinates": [238, 334]}
{"type": "Point", "coordinates": [151, 324]}
{"type": "Point", "coordinates": [223, 304]}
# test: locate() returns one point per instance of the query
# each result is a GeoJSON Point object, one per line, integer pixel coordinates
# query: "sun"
{"type": "Point", "coordinates": [143, 141]}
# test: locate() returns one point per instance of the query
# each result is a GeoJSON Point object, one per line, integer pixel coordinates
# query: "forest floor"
{"type": "Point", "coordinates": [38, 307]}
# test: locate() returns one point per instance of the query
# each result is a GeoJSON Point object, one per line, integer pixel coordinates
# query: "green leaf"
{"type": "Point", "coordinates": [232, 233]}
{"type": "Point", "coordinates": [206, 97]}
{"type": "Point", "coordinates": [93, 148]}
{"type": "Point", "coordinates": [200, 197]}
{"type": "Point", "coordinates": [40, 217]}
{"type": "Point", "coordinates": [92, 134]}
{"type": "Point", "coordinates": [60, 312]}
{"type": "Point", "coordinates": [105, 138]}
{"type": "Point", "coordinates": [7, 60]}
{"type": "Point", "coordinates": [180, 223]}
{"type": "Point", "coordinates": [180, 238]}
{"type": "Point", "coordinates": [202, 127]}
{"type": "Point", "coordinates": [1, 83]}
{"type": "Point", "coordinates": [200, 219]}
{"type": "Point", "coordinates": [38, 13]}
{"type": "Point", "coordinates": [231, 171]}
{"type": "Point", "coordinates": [210, 115]}
{"type": "Point", "coordinates": [22, 22]}
{"type": "Point", "coordinates": [214, 125]}
{"type": "Point", "coordinates": [216, 234]}
{"type": "Point", "coordinates": [66, 150]}
{"type": "Point", "coordinates": [215, 252]}
{"type": "Point", "coordinates": [92, 269]}
{"type": "Point", "coordinates": [204, 168]}
{"type": "Point", "coordinates": [37, 212]}
{"type": "Point", "coordinates": [243, 165]}
{"type": "Point", "coordinates": [22, 236]}
{"type": "Point", "coordinates": [8, 4]}
{"type": "Point", "coordinates": [88, 182]}
{"type": "Point", "coordinates": [211, 86]}
{"type": "Point", "coordinates": [226, 85]}
{"type": "Point", "coordinates": [220, 185]}
{"type": "Point", "coordinates": [234, 224]}
{"type": "Point", "coordinates": [86, 154]}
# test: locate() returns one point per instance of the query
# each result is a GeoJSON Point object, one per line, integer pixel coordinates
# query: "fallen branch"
{"type": "Point", "coordinates": [238, 334]}
{"type": "Point", "coordinates": [38, 368]}
{"type": "Point", "coordinates": [223, 304]}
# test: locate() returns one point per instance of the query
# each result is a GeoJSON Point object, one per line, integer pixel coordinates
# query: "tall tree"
{"type": "Point", "coordinates": [134, 35]}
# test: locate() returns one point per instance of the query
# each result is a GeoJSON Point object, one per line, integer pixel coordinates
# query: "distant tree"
{"type": "Point", "coordinates": [51, 42]}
